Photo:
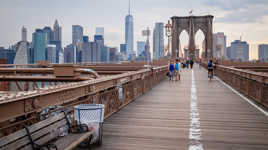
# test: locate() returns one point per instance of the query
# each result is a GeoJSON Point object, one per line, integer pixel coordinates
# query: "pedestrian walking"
{"type": "Point", "coordinates": [171, 71]}
{"type": "Point", "coordinates": [187, 63]}
{"type": "Point", "coordinates": [191, 63]}
{"type": "Point", "coordinates": [177, 70]}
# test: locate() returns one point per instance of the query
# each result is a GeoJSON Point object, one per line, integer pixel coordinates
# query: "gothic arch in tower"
{"type": "Point", "coordinates": [191, 24]}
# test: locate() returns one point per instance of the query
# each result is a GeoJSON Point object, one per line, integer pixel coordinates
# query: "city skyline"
{"type": "Point", "coordinates": [237, 18]}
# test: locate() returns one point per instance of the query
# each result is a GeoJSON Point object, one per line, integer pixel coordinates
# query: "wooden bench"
{"type": "Point", "coordinates": [42, 134]}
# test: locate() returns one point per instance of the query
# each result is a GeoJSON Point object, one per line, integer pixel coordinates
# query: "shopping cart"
{"type": "Point", "coordinates": [90, 114]}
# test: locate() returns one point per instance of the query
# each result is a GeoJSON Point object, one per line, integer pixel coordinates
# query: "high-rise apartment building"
{"type": "Point", "coordinates": [100, 31]}
{"type": "Point", "coordinates": [219, 45]}
{"type": "Point", "coordinates": [129, 34]}
{"type": "Point", "coordinates": [263, 52]}
{"type": "Point", "coordinates": [140, 47]}
{"type": "Point", "coordinates": [23, 34]}
{"type": "Point", "coordinates": [77, 31]}
{"type": "Point", "coordinates": [240, 50]}
{"type": "Point", "coordinates": [39, 45]}
{"type": "Point", "coordinates": [158, 43]}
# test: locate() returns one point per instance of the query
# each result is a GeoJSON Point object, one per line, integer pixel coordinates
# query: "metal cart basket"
{"type": "Point", "coordinates": [90, 113]}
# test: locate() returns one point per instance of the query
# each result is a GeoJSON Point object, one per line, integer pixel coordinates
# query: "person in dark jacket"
{"type": "Point", "coordinates": [191, 63]}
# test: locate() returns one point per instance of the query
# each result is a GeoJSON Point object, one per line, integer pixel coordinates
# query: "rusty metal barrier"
{"type": "Point", "coordinates": [251, 84]}
{"type": "Point", "coordinates": [114, 92]}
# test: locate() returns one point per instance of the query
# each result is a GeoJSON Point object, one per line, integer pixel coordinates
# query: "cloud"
{"type": "Point", "coordinates": [235, 4]}
{"type": "Point", "coordinates": [240, 11]}
{"type": "Point", "coordinates": [254, 14]}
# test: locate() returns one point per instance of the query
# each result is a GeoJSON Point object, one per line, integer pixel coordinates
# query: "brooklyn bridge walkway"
{"type": "Point", "coordinates": [191, 114]}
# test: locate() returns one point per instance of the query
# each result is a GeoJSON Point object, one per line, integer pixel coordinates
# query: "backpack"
{"type": "Point", "coordinates": [177, 66]}
{"type": "Point", "coordinates": [210, 65]}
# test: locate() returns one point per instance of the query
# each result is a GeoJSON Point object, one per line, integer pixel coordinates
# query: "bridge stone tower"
{"type": "Point", "coordinates": [191, 24]}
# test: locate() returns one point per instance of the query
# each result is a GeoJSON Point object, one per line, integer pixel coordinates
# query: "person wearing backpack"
{"type": "Point", "coordinates": [210, 68]}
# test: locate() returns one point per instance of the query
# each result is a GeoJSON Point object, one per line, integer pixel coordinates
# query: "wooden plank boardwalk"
{"type": "Point", "coordinates": [161, 119]}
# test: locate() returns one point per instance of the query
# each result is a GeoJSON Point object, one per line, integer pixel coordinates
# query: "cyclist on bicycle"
{"type": "Point", "coordinates": [210, 68]}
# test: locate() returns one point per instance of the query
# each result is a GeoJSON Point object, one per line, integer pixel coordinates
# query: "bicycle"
{"type": "Point", "coordinates": [210, 74]}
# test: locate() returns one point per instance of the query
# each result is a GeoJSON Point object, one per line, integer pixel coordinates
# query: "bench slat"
{"type": "Point", "coordinates": [12, 137]}
{"type": "Point", "coordinates": [50, 129]}
{"type": "Point", "coordinates": [17, 144]}
{"type": "Point", "coordinates": [43, 140]}
{"type": "Point", "coordinates": [46, 122]}
{"type": "Point", "coordinates": [20, 138]}
{"type": "Point", "coordinates": [71, 140]}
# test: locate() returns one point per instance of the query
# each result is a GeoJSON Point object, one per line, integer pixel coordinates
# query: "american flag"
{"type": "Point", "coordinates": [191, 12]}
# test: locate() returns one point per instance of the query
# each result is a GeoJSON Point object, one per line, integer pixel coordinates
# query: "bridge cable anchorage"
{"type": "Point", "coordinates": [243, 97]}
{"type": "Point", "coordinates": [195, 130]}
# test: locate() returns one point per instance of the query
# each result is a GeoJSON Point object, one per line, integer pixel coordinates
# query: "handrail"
{"type": "Point", "coordinates": [135, 82]}
{"type": "Point", "coordinates": [251, 84]}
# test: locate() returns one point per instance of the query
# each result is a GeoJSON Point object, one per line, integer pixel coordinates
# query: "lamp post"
{"type": "Point", "coordinates": [168, 32]}
{"type": "Point", "coordinates": [147, 46]}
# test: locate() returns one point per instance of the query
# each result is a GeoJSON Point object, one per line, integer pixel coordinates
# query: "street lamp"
{"type": "Point", "coordinates": [147, 46]}
{"type": "Point", "coordinates": [168, 29]}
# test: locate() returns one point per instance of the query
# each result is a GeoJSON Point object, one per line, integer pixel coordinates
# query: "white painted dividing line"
{"type": "Point", "coordinates": [195, 130]}
{"type": "Point", "coordinates": [242, 96]}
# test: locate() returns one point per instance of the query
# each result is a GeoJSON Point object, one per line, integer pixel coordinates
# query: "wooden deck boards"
{"type": "Point", "coordinates": [161, 119]}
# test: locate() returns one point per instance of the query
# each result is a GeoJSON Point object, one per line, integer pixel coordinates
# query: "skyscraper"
{"type": "Point", "coordinates": [39, 45]}
{"type": "Point", "coordinates": [123, 48]}
{"type": "Point", "coordinates": [158, 43]}
{"type": "Point", "coordinates": [69, 54]}
{"type": "Point", "coordinates": [219, 45]}
{"type": "Point", "coordinates": [105, 54]}
{"type": "Point", "coordinates": [99, 38]}
{"type": "Point", "coordinates": [96, 51]}
{"type": "Point", "coordinates": [23, 34]}
{"type": "Point", "coordinates": [240, 50]}
{"type": "Point", "coordinates": [77, 34]}
{"type": "Point", "coordinates": [129, 36]}
{"type": "Point", "coordinates": [100, 45]}
{"type": "Point", "coordinates": [22, 50]}
{"type": "Point", "coordinates": [86, 52]}
{"type": "Point", "coordinates": [263, 52]}
{"type": "Point", "coordinates": [228, 52]}
{"type": "Point", "coordinates": [57, 31]}
{"type": "Point", "coordinates": [50, 34]}
{"type": "Point", "coordinates": [113, 54]}
{"type": "Point", "coordinates": [8, 54]}
{"type": "Point", "coordinates": [58, 49]}
{"type": "Point", "coordinates": [140, 47]}
{"type": "Point", "coordinates": [100, 31]}
{"type": "Point", "coordinates": [51, 53]}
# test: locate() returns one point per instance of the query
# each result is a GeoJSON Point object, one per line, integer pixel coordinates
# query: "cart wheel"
{"type": "Point", "coordinates": [99, 143]}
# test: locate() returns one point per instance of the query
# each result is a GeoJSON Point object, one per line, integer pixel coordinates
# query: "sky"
{"type": "Point", "coordinates": [236, 18]}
